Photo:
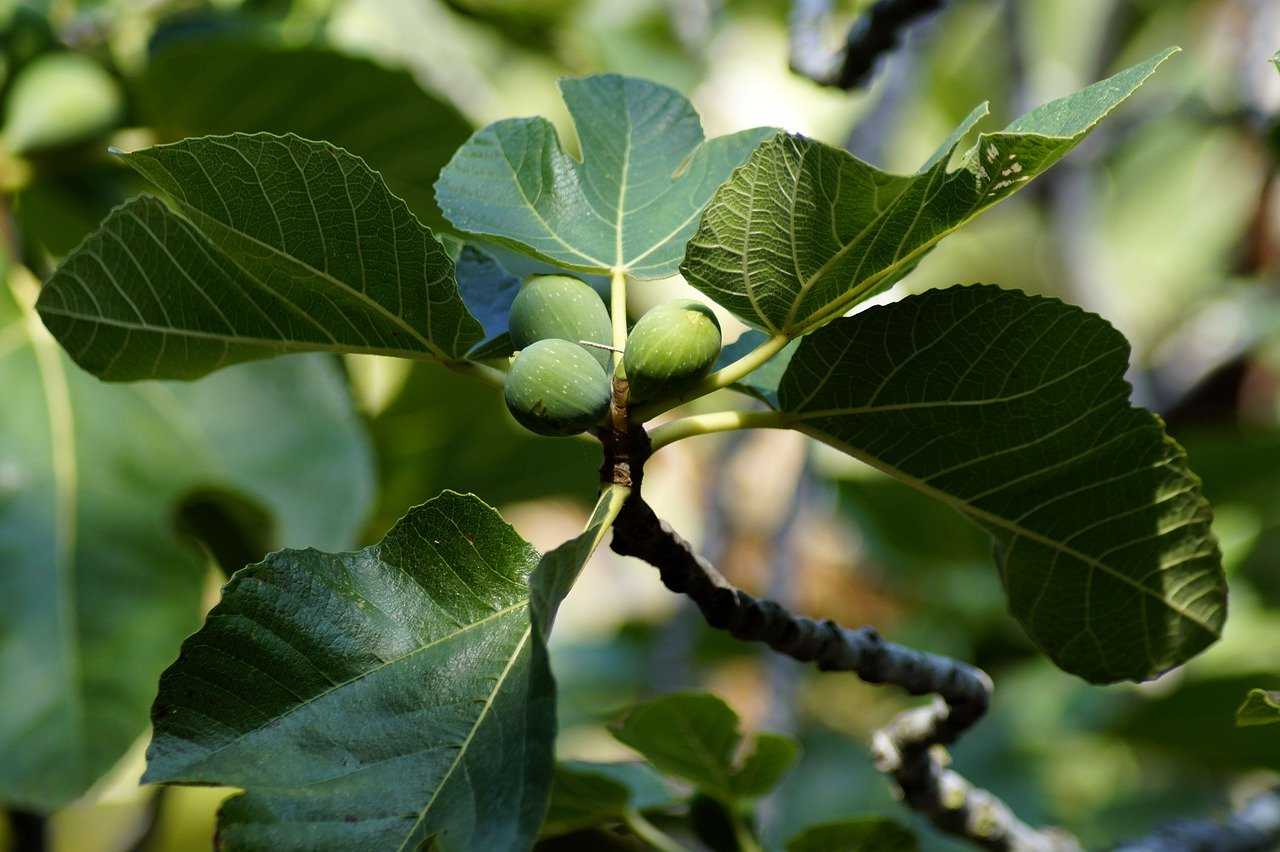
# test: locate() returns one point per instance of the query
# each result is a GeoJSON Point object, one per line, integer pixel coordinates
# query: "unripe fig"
{"type": "Point", "coordinates": [556, 387]}
{"type": "Point", "coordinates": [60, 99]}
{"type": "Point", "coordinates": [560, 307]}
{"type": "Point", "coordinates": [671, 346]}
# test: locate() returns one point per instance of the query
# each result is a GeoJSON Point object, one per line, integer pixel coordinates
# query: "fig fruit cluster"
{"type": "Point", "coordinates": [560, 385]}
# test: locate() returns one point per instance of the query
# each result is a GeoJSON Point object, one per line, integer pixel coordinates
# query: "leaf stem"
{"type": "Point", "coordinates": [716, 421]}
{"type": "Point", "coordinates": [721, 378]}
{"type": "Point", "coordinates": [618, 312]}
{"type": "Point", "coordinates": [649, 833]}
{"type": "Point", "coordinates": [746, 840]}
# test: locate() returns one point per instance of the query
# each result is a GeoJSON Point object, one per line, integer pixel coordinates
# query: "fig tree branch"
{"type": "Point", "coordinates": [1254, 828]}
{"type": "Point", "coordinates": [876, 32]}
{"type": "Point", "coordinates": [909, 749]}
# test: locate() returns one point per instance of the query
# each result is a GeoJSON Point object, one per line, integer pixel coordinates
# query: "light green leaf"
{"type": "Point", "coordinates": [695, 736]}
{"type": "Point", "coordinates": [96, 588]}
{"type": "Point", "coordinates": [380, 114]}
{"type": "Point", "coordinates": [1260, 707]}
{"type": "Point", "coordinates": [1013, 409]}
{"type": "Point", "coordinates": [803, 231]}
{"type": "Point", "coordinates": [275, 244]}
{"type": "Point", "coordinates": [869, 834]}
{"type": "Point", "coordinates": [398, 697]}
{"type": "Point", "coordinates": [589, 794]}
{"type": "Point", "coordinates": [631, 202]}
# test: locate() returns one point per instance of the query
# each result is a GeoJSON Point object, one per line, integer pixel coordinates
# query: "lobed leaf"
{"type": "Point", "coordinates": [803, 231]}
{"type": "Point", "coordinates": [398, 697]}
{"type": "Point", "coordinates": [96, 589]}
{"type": "Point", "coordinates": [631, 202]}
{"type": "Point", "coordinates": [1014, 410]}
{"type": "Point", "coordinates": [274, 244]}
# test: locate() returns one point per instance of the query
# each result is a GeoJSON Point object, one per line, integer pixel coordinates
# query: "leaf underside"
{"type": "Point", "coordinates": [397, 697]}
{"type": "Point", "coordinates": [96, 587]}
{"type": "Point", "coordinates": [803, 231]}
{"type": "Point", "coordinates": [1014, 410]}
{"type": "Point", "coordinates": [273, 244]}
{"type": "Point", "coordinates": [631, 202]}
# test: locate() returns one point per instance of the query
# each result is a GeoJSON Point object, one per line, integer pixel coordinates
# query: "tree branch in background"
{"type": "Point", "coordinates": [910, 748]}
{"type": "Point", "coordinates": [876, 32]}
{"type": "Point", "coordinates": [1254, 828]}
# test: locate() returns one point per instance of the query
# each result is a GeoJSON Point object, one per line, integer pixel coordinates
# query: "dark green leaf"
{"type": "Point", "coordinates": [278, 245]}
{"type": "Point", "coordinates": [695, 736]}
{"type": "Point", "coordinates": [630, 204]}
{"type": "Point", "coordinates": [590, 794]}
{"type": "Point", "coordinates": [1013, 409]}
{"type": "Point", "coordinates": [96, 589]}
{"type": "Point", "coordinates": [870, 834]}
{"type": "Point", "coordinates": [377, 113]}
{"type": "Point", "coordinates": [1260, 707]}
{"type": "Point", "coordinates": [803, 231]}
{"type": "Point", "coordinates": [391, 698]}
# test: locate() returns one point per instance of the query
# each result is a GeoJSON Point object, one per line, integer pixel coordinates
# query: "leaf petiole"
{"type": "Point", "coordinates": [722, 378]}
{"type": "Point", "coordinates": [716, 421]}
{"type": "Point", "coordinates": [649, 833]}
{"type": "Point", "coordinates": [618, 312]}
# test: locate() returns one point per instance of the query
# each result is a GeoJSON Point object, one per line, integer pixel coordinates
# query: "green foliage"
{"type": "Point", "coordinates": [803, 232]}
{"type": "Point", "coordinates": [97, 589]}
{"type": "Point", "coordinates": [310, 252]}
{"type": "Point", "coordinates": [417, 662]}
{"type": "Point", "coordinates": [1260, 707]}
{"type": "Point", "coordinates": [695, 737]}
{"type": "Point", "coordinates": [377, 113]}
{"type": "Point", "coordinates": [560, 307]}
{"type": "Point", "coordinates": [556, 387]}
{"type": "Point", "coordinates": [1014, 410]}
{"type": "Point", "coordinates": [671, 346]}
{"type": "Point", "coordinates": [584, 795]}
{"type": "Point", "coordinates": [60, 99]}
{"type": "Point", "coordinates": [870, 834]}
{"type": "Point", "coordinates": [630, 205]}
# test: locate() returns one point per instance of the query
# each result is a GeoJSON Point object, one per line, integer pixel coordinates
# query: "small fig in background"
{"type": "Point", "coordinates": [563, 308]}
{"type": "Point", "coordinates": [60, 99]}
{"type": "Point", "coordinates": [557, 388]}
{"type": "Point", "coordinates": [672, 346]}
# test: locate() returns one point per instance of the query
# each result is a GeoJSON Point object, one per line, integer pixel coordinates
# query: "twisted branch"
{"type": "Point", "coordinates": [910, 748]}
{"type": "Point", "coordinates": [875, 33]}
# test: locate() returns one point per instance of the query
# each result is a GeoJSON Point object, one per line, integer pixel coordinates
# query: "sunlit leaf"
{"type": "Point", "coordinates": [1260, 707]}
{"type": "Point", "coordinates": [695, 736]}
{"type": "Point", "coordinates": [803, 231]}
{"type": "Point", "coordinates": [274, 244]}
{"type": "Point", "coordinates": [96, 588]}
{"type": "Point", "coordinates": [630, 203]}
{"type": "Point", "coordinates": [398, 697]}
{"type": "Point", "coordinates": [1014, 410]}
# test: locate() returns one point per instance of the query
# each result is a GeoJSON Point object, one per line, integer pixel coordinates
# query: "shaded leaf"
{"type": "Point", "coordinates": [1260, 707]}
{"type": "Point", "coordinates": [488, 290]}
{"type": "Point", "coordinates": [695, 736]}
{"type": "Point", "coordinates": [630, 203]}
{"type": "Point", "coordinates": [1013, 409]}
{"type": "Point", "coordinates": [870, 834]}
{"type": "Point", "coordinates": [380, 114]}
{"type": "Point", "coordinates": [803, 231]}
{"type": "Point", "coordinates": [762, 382]}
{"type": "Point", "coordinates": [278, 245]}
{"type": "Point", "coordinates": [391, 698]}
{"type": "Point", "coordinates": [590, 794]}
{"type": "Point", "coordinates": [96, 588]}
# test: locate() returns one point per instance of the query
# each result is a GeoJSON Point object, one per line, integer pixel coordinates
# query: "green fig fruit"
{"type": "Point", "coordinates": [559, 307]}
{"type": "Point", "coordinates": [672, 346]}
{"type": "Point", "coordinates": [60, 99]}
{"type": "Point", "coordinates": [557, 388]}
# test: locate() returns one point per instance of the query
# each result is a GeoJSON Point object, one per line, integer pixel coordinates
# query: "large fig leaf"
{"type": "Point", "coordinates": [398, 697]}
{"type": "Point", "coordinates": [1014, 410]}
{"type": "Point", "coordinates": [274, 244]}
{"type": "Point", "coordinates": [96, 588]}
{"type": "Point", "coordinates": [380, 114]}
{"type": "Point", "coordinates": [803, 231]}
{"type": "Point", "coordinates": [631, 202]}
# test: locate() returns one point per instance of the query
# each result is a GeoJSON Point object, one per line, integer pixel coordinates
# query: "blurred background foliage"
{"type": "Point", "coordinates": [1167, 222]}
